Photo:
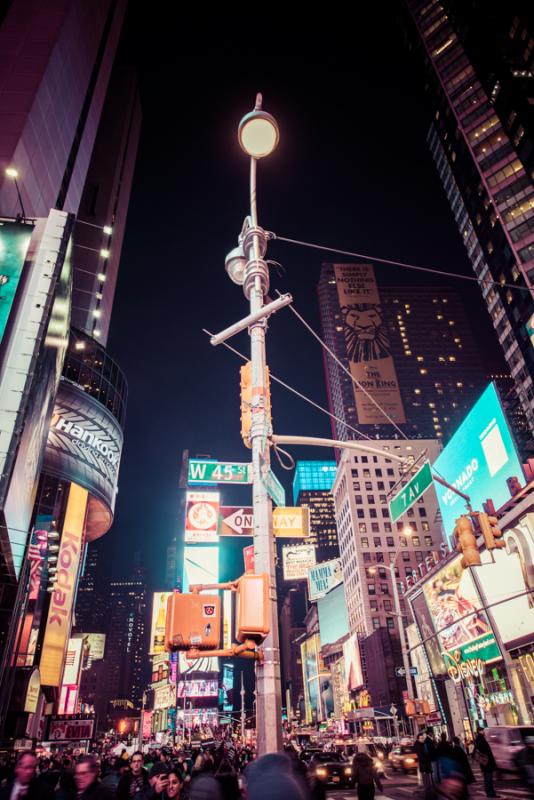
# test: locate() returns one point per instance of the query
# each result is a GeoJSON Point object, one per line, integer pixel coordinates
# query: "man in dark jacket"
{"type": "Point", "coordinates": [365, 776]}
{"type": "Point", "coordinates": [86, 778]}
{"type": "Point", "coordinates": [135, 785]}
{"type": "Point", "coordinates": [483, 754]}
{"type": "Point", "coordinates": [425, 765]}
{"type": "Point", "coordinates": [26, 785]}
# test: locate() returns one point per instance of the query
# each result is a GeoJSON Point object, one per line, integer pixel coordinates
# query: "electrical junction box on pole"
{"type": "Point", "coordinates": [410, 494]}
{"type": "Point", "coordinates": [193, 620]}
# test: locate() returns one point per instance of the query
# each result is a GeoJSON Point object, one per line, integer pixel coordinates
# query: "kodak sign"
{"type": "Point", "coordinates": [58, 624]}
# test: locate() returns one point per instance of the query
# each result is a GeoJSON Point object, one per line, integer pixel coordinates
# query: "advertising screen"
{"type": "Point", "coordinates": [353, 662]}
{"type": "Point", "coordinates": [297, 560]}
{"type": "Point", "coordinates": [84, 443]}
{"type": "Point", "coordinates": [457, 614]}
{"type": "Point", "coordinates": [367, 345]}
{"type": "Point", "coordinates": [431, 643]}
{"type": "Point", "coordinates": [14, 241]}
{"type": "Point", "coordinates": [506, 586]}
{"type": "Point", "coordinates": [478, 460]}
{"type": "Point", "coordinates": [159, 617]}
{"type": "Point", "coordinates": [73, 659]}
{"type": "Point", "coordinates": [201, 565]}
{"type": "Point", "coordinates": [71, 728]}
{"type": "Point", "coordinates": [323, 577]}
{"type": "Point", "coordinates": [201, 517]}
{"type": "Point", "coordinates": [198, 688]}
{"type": "Point", "coordinates": [94, 645]}
{"type": "Point", "coordinates": [333, 616]}
{"type": "Point", "coordinates": [227, 688]}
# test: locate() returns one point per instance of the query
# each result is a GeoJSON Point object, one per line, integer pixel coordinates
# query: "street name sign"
{"type": "Point", "coordinates": [400, 672]}
{"type": "Point", "coordinates": [204, 471]}
{"type": "Point", "coordinates": [274, 487]}
{"type": "Point", "coordinates": [411, 493]}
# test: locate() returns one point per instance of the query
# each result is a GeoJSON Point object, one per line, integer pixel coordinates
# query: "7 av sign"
{"type": "Point", "coordinates": [411, 493]}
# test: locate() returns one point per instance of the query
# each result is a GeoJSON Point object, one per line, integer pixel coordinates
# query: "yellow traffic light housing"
{"type": "Point", "coordinates": [252, 607]}
{"type": "Point", "coordinates": [193, 620]}
{"type": "Point", "coordinates": [491, 533]}
{"type": "Point", "coordinates": [466, 542]}
{"type": "Point", "coordinates": [247, 395]}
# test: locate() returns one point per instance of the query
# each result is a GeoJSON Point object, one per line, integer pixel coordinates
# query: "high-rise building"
{"type": "Point", "coordinates": [478, 63]}
{"type": "Point", "coordinates": [433, 371]}
{"type": "Point", "coordinates": [90, 609]}
{"type": "Point", "coordinates": [127, 640]}
{"type": "Point", "coordinates": [369, 539]}
{"type": "Point", "coordinates": [312, 488]}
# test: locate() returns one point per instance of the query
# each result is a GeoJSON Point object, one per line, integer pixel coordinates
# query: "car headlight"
{"type": "Point", "coordinates": [409, 760]}
{"type": "Point", "coordinates": [348, 771]}
{"type": "Point", "coordinates": [377, 762]}
{"type": "Point", "coordinates": [321, 772]}
{"type": "Point", "coordinates": [381, 756]}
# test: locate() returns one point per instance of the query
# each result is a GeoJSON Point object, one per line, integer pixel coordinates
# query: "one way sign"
{"type": "Point", "coordinates": [400, 672]}
{"type": "Point", "coordinates": [236, 521]}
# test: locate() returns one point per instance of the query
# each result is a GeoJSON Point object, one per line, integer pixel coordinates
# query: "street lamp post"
{"type": "Point", "coordinates": [13, 173]}
{"type": "Point", "coordinates": [258, 137]}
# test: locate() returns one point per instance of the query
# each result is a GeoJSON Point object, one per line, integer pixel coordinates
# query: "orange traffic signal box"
{"type": "Point", "coordinates": [193, 620]}
{"type": "Point", "coordinates": [252, 607]}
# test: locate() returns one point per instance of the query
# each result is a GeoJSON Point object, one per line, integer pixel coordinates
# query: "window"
{"type": "Point", "coordinates": [380, 486]}
{"type": "Point", "coordinates": [376, 622]}
{"type": "Point", "coordinates": [422, 512]}
{"type": "Point", "coordinates": [418, 555]}
{"type": "Point", "coordinates": [370, 499]}
{"type": "Point", "coordinates": [373, 605]}
{"type": "Point", "coordinates": [367, 473]}
{"type": "Point", "coordinates": [372, 513]}
{"type": "Point", "coordinates": [367, 558]}
{"type": "Point", "coordinates": [364, 540]}
{"type": "Point", "coordinates": [356, 486]}
{"type": "Point", "coordinates": [364, 459]}
{"type": "Point", "coordinates": [385, 514]}
{"type": "Point", "coordinates": [354, 473]}
{"type": "Point", "coordinates": [426, 526]}
{"type": "Point", "coordinates": [377, 541]}
{"type": "Point", "coordinates": [358, 499]}
{"type": "Point", "coordinates": [408, 571]}
{"type": "Point", "coordinates": [402, 541]}
{"type": "Point", "coordinates": [390, 622]}
{"type": "Point", "coordinates": [405, 556]}
{"type": "Point", "coordinates": [368, 486]}
{"type": "Point", "coordinates": [384, 588]}
{"type": "Point", "coordinates": [382, 498]}
{"type": "Point", "coordinates": [379, 558]}
{"type": "Point", "coordinates": [390, 541]}
{"type": "Point", "coordinates": [387, 605]}
{"type": "Point", "coordinates": [387, 527]}
{"type": "Point", "coordinates": [378, 473]}
{"type": "Point", "coordinates": [415, 541]}
{"type": "Point", "coordinates": [360, 513]}
{"type": "Point", "coordinates": [428, 541]}
{"type": "Point", "coordinates": [382, 573]}
{"type": "Point", "coordinates": [390, 471]}
{"type": "Point", "coordinates": [371, 588]}
{"type": "Point", "coordinates": [375, 528]}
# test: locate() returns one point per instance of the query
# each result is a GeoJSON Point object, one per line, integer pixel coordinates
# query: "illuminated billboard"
{"type": "Point", "coordinates": [227, 687]}
{"type": "Point", "coordinates": [201, 517]}
{"type": "Point", "coordinates": [478, 460]}
{"type": "Point", "coordinates": [94, 645]}
{"type": "Point", "coordinates": [58, 623]}
{"type": "Point", "coordinates": [201, 565]}
{"type": "Point", "coordinates": [14, 241]}
{"type": "Point", "coordinates": [508, 591]}
{"type": "Point", "coordinates": [352, 663]}
{"type": "Point", "coordinates": [323, 577]}
{"type": "Point", "coordinates": [198, 688]}
{"type": "Point", "coordinates": [157, 628]}
{"type": "Point", "coordinates": [333, 616]}
{"type": "Point", "coordinates": [71, 672]}
{"type": "Point", "coordinates": [318, 690]}
{"type": "Point", "coordinates": [462, 626]}
{"type": "Point", "coordinates": [297, 560]}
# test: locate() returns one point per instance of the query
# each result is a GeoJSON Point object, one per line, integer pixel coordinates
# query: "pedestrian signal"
{"type": "Point", "coordinates": [193, 621]}
{"type": "Point", "coordinates": [466, 542]}
{"type": "Point", "coordinates": [491, 533]}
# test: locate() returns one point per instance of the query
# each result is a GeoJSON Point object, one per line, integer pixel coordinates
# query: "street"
{"type": "Point", "coordinates": [400, 787]}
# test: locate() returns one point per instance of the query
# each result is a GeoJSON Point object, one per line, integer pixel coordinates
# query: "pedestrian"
{"type": "Point", "coordinates": [205, 787]}
{"type": "Point", "coordinates": [26, 785]}
{"type": "Point", "coordinates": [365, 776]}
{"type": "Point", "coordinates": [272, 776]}
{"type": "Point", "coordinates": [525, 763]}
{"type": "Point", "coordinates": [174, 785]}
{"type": "Point", "coordinates": [227, 779]}
{"type": "Point", "coordinates": [486, 760]}
{"type": "Point", "coordinates": [446, 763]}
{"type": "Point", "coordinates": [87, 783]}
{"type": "Point", "coordinates": [430, 745]}
{"type": "Point", "coordinates": [134, 784]}
{"type": "Point", "coordinates": [462, 760]}
{"type": "Point", "coordinates": [158, 778]}
{"type": "Point", "coordinates": [425, 765]}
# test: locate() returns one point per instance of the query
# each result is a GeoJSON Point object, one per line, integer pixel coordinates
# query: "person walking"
{"type": "Point", "coordinates": [425, 765]}
{"type": "Point", "coordinates": [134, 785]}
{"type": "Point", "coordinates": [525, 763]}
{"type": "Point", "coordinates": [365, 776]}
{"type": "Point", "coordinates": [87, 783]}
{"type": "Point", "coordinates": [460, 757]}
{"type": "Point", "coordinates": [486, 760]}
{"type": "Point", "coordinates": [26, 785]}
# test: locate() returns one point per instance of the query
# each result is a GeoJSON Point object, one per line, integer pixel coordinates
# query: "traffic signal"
{"type": "Point", "coordinates": [466, 542]}
{"type": "Point", "coordinates": [252, 607]}
{"type": "Point", "coordinates": [193, 621]}
{"type": "Point", "coordinates": [246, 400]}
{"type": "Point", "coordinates": [490, 532]}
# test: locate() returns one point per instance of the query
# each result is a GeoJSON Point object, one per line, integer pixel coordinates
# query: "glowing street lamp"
{"type": "Point", "coordinates": [13, 173]}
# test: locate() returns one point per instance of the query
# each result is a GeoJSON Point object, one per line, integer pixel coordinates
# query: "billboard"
{"type": "Point", "coordinates": [71, 671]}
{"type": "Point", "coordinates": [94, 646]}
{"type": "Point", "coordinates": [71, 728]}
{"type": "Point", "coordinates": [297, 560]}
{"type": "Point", "coordinates": [14, 241]}
{"type": "Point", "coordinates": [352, 662]}
{"type": "Point", "coordinates": [201, 517]}
{"type": "Point", "coordinates": [506, 587]}
{"type": "Point", "coordinates": [157, 628]}
{"type": "Point", "coordinates": [84, 443]}
{"type": "Point", "coordinates": [198, 688]}
{"type": "Point", "coordinates": [462, 626]}
{"type": "Point", "coordinates": [367, 345]}
{"type": "Point", "coordinates": [478, 460]}
{"type": "Point", "coordinates": [201, 565]}
{"type": "Point", "coordinates": [318, 690]}
{"type": "Point", "coordinates": [227, 687]}
{"type": "Point", "coordinates": [58, 623]}
{"type": "Point", "coordinates": [333, 616]}
{"type": "Point", "coordinates": [323, 577]}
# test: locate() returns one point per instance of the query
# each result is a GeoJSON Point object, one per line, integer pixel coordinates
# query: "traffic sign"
{"type": "Point", "coordinates": [274, 487]}
{"type": "Point", "coordinates": [288, 523]}
{"type": "Point", "coordinates": [410, 493]}
{"type": "Point", "coordinates": [400, 672]}
{"type": "Point", "coordinates": [236, 521]}
{"type": "Point", "coordinates": [204, 471]}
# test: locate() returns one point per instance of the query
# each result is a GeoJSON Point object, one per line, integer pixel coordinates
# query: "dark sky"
{"type": "Point", "coordinates": [352, 171]}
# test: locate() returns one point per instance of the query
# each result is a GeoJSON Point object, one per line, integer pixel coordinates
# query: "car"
{"type": "Point", "coordinates": [307, 754]}
{"type": "Point", "coordinates": [403, 758]}
{"type": "Point", "coordinates": [506, 741]}
{"type": "Point", "coordinates": [332, 769]}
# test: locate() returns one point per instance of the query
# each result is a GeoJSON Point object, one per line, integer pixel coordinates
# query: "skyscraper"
{"type": "Point", "coordinates": [477, 68]}
{"type": "Point", "coordinates": [312, 488]}
{"type": "Point", "coordinates": [424, 334]}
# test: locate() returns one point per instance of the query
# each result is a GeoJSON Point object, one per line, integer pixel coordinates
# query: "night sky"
{"type": "Point", "coordinates": [352, 170]}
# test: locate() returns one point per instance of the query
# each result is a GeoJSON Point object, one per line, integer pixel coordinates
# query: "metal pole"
{"type": "Point", "coordinates": [242, 709]}
{"type": "Point", "coordinates": [20, 199]}
{"type": "Point", "coordinates": [398, 612]}
{"type": "Point", "coordinates": [268, 684]}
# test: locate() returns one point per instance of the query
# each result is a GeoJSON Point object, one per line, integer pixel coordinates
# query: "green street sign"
{"type": "Point", "coordinates": [203, 471]}
{"type": "Point", "coordinates": [274, 487]}
{"type": "Point", "coordinates": [411, 493]}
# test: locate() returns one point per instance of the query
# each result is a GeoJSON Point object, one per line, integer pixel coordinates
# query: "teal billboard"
{"type": "Point", "coordinates": [478, 460]}
{"type": "Point", "coordinates": [14, 240]}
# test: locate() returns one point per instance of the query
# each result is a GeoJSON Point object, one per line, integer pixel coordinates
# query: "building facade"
{"type": "Point", "coordinates": [424, 334]}
{"type": "Point", "coordinates": [369, 541]}
{"type": "Point", "coordinates": [312, 488]}
{"type": "Point", "coordinates": [478, 63]}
